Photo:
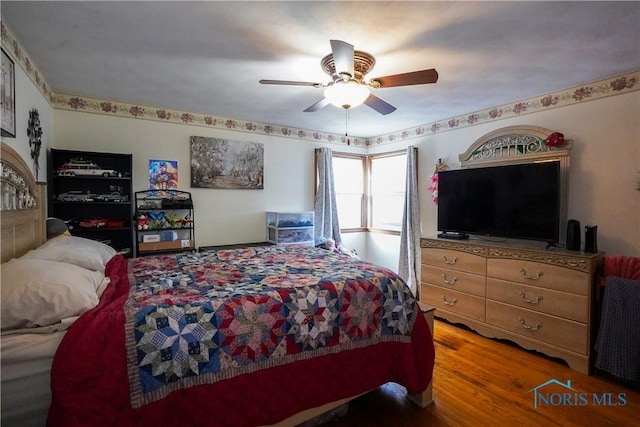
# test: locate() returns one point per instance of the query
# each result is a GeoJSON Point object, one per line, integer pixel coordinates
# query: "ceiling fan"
{"type": "Point", "coordinates": [347, 68]}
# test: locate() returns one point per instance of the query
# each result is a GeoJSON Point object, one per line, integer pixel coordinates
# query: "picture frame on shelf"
{"type": "Point", "coordinates": [8, 96]}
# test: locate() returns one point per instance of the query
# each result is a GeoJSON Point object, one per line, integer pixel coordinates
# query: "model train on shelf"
{"type": "Point", "coordinates": [81, 167]}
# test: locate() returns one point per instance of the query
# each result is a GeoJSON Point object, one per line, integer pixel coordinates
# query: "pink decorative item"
{"type": "Point", "coordinates": [433, 180]}
{"type": "Point", "coordinates": [433, 187]}
{"type": "Point", "coordinates": [555, 139]}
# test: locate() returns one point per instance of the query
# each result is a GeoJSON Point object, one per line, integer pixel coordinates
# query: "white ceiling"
{"type": "Point", "coordinates": [207, 57]}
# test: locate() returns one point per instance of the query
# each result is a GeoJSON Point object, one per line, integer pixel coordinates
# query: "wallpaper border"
{"type": "Point", "coordinates": [21, 57]}
{"type": "Point", "coordinates": [608, 87]}
{"type": "Point", "coordinates": [616, 85]}
{"type": "Point", "coordinates": [145, 112]}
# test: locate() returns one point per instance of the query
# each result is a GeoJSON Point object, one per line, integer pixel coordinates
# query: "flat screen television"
{"type": "Point", "coordinates": [520, 201]}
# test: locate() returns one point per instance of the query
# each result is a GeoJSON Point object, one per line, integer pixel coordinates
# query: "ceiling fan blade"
{"type": "Point", "coordinates": [317, 106]}
{"type": "Point", "coordinates": [342, 56]}
{"type": "Point", "coordinates": [379, 105]}
{"type": "Point", "coordinates": [408, 79]}
{"type": "Point", "coordinates": [290, 83]}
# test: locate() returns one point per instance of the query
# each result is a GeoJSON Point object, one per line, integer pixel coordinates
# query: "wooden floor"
{"type": "Point", "coordinates": [484, 382]}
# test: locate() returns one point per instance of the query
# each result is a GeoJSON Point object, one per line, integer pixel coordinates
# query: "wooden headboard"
{"type": "Point", "coordinates": [22, 206]}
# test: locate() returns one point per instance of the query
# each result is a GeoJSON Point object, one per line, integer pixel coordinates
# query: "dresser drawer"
{"type": "Point", "coordinates": [453, 301]}
{"type": "Point", "coordinates": [455, 260]}
{"type": "Point", "coordinates": [454, 280]}
{"type": "Point", "coordinates": [539, 274]}
{"type": "Point", "coordinates": [563, 333]}
{"type": "Point", "coordinates": [562, 304]}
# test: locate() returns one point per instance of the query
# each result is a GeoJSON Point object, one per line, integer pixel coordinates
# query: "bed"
{"type": "Point", "coordinates": [252, 336]}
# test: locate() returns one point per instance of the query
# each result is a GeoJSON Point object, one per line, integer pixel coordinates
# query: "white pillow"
{"type": "Point", "coordinates": [41, 292]}
{"type": "Point", "coordinates": [80, 255]}
{"type": "Point", "coordinates": [105, 251]}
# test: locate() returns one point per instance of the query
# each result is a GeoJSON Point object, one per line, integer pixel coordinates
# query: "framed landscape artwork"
{"type": "Point", "coordinates": [226, 164]}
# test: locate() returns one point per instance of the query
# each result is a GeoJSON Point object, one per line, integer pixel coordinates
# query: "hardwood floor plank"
{"type": "Point", "coordinates": [484, 382]}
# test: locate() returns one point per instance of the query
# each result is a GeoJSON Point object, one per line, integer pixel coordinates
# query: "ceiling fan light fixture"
{"type": "Point", "coordinates": [346, 94]}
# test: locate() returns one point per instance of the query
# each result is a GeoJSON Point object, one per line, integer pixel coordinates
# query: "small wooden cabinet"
{"type": "Point", "coordinates": [540, 299]}
{"type": "Point", "coordinates": [290, 228]}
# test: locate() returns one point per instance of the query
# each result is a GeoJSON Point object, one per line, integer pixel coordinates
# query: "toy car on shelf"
{"type": "Point", "coordinates": [112, 197]}
{"type": "Point", "coordinates": [115, 223]}
{"type": "Point", "coordinates": [76, 196]}
{"type": "Point", "coordinates": [81, 167]}
{"type": "Point", "coordinates": [93, 223]}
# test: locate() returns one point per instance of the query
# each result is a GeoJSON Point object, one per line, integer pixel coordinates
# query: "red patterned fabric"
{"type": "Point", "coordinates": [622, 266]}
{"type": "Point", "coordinates": [90, 384]}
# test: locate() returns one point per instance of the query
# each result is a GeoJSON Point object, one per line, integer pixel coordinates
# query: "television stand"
{"type": "Point", "coordinates": [540, 300]}
{"type": "Point", "coordinates": [453, 236]}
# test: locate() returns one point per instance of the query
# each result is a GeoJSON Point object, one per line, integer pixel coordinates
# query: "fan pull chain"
{"type": "Point", "coordinates": [346, 126]}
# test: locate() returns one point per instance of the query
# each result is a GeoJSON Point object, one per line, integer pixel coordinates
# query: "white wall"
{"type": "Point", "coordinates": [222, 216]}
{"type": "Point", "coordinates": [28, 97]}
{"type": "Point", "coordinates": [605, 166]}
{"type": "Point", "coordinates": [603, 172]}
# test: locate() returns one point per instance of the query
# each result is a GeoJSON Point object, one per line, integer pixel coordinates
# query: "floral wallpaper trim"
{"type": "Point", "coordinates": [616, 85]}
{"type": "Point", "coordinates": [137, 111]}
{"type": "Point", "coordinates": [611, 86]}
{"type": "Point", "coordinates": [13, 47]}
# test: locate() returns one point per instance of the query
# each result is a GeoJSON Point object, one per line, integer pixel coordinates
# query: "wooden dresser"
{"type": "Point", "coordinates": [540, 299]}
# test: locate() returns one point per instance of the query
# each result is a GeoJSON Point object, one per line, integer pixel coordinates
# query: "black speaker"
{"type": "Point", "coordinates": [573, 235]}
{"type": "Point", "coordinates": [591, 238]}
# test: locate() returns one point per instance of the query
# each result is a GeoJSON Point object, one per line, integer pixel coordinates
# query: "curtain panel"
{"type": "Point", "coordinates": [409, 263]}
{"type": "Point", "coordinates": [325, 206]}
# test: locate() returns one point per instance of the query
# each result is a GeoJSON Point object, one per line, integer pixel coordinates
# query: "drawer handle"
{"type": "Point", "coordinates": [530, 301]}
{"type": "Point", "coordinates": [531, 277]}
{"type": "Point", "coordinates": [447, 281]}
{"type": "Point", "coordinates": [452, 302]}
{"type": "Point", "coordinates": [531, 328]}
{"type": "Point", "coordinates": [449, 261]}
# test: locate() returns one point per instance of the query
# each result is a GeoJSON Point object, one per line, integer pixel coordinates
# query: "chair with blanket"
{"type": "Point", "coordinates": [618, 340]}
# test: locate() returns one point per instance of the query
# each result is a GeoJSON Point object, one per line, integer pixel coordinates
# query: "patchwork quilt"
{"type": "Point", "coordinates": [254, 330]}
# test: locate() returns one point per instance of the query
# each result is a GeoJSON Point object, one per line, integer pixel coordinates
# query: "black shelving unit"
{"type": "Point", "coordinates": [164, 221]}
{"type": "Point", "coordinates": [92, 192]}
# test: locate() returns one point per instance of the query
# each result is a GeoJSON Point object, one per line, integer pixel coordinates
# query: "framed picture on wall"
{"type": "Point", "coordinates": [163, 174]}
{"type": "Point", "coordinates": [226, 164]}
{"type": "Point", "coordinates": [8, 96]}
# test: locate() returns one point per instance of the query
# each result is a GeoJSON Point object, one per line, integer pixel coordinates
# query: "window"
{"type": "Point", "coordinates": [370, 190]}
{"type": "Point", "coordinates": [388, 176]}
{"type": "Point", "coordinates": [349, 181]}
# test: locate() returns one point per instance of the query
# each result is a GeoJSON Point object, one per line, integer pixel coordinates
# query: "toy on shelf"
{"type": "Point", "coordinates": [112, 197]}
{"type": "Point", "coordinates": [82, 167]}
{"type": "Point", "coordinates": [186, 221]}
{"type": "Point", "coordinates": [141, 222]}
{"type": "Point", "coordinates": [93, 223]}
{"type": "Point", "coordinates": [164, 221]}
{"type": "Point", "coordinates": [93, 192]}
